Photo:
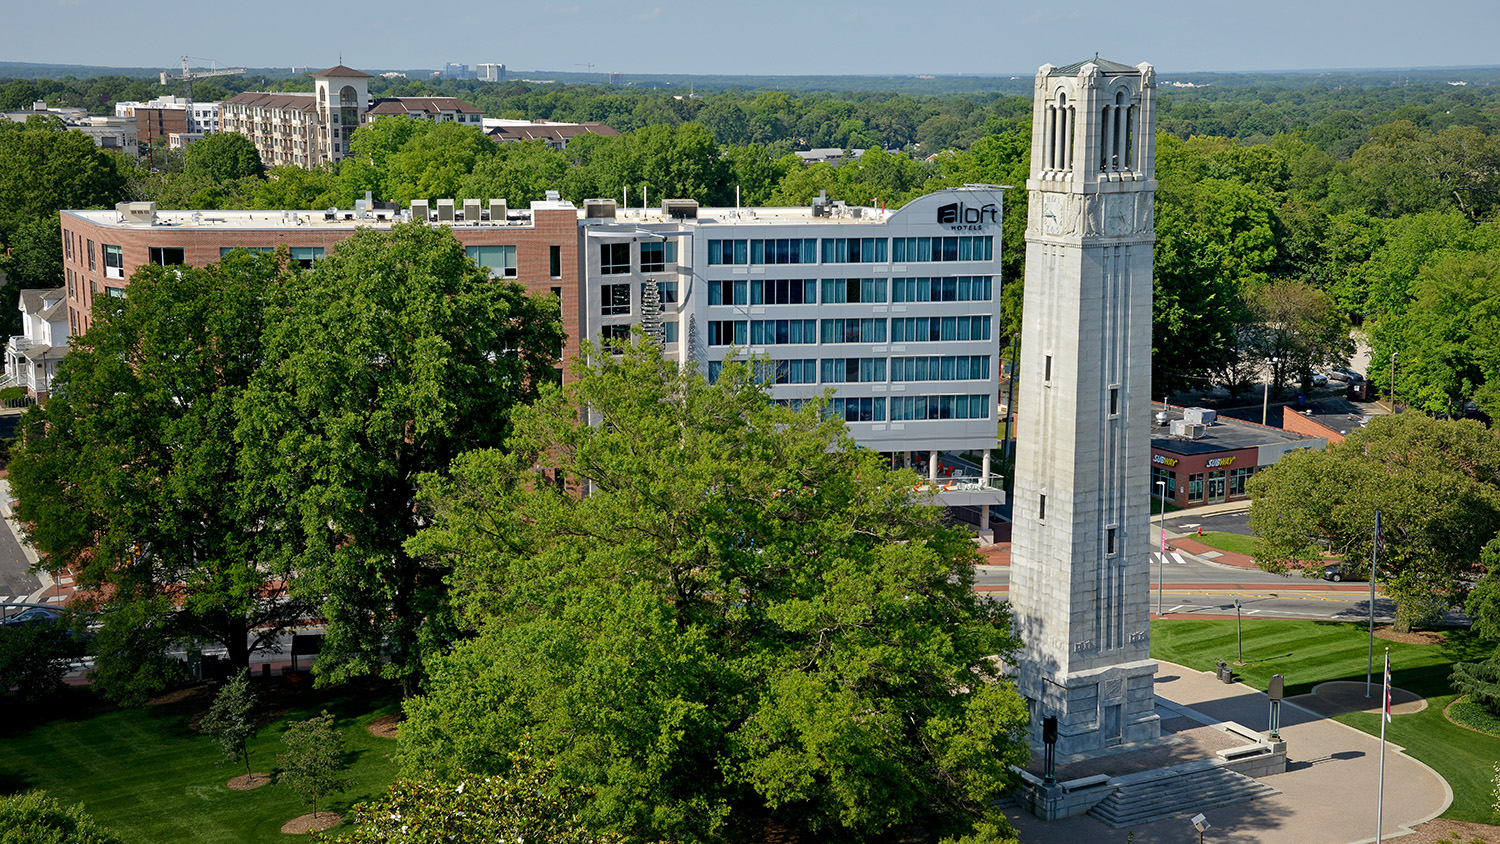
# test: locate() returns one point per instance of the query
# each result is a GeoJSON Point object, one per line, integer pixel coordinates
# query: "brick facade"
{"type": "Point", "coordinates": [548, 226]}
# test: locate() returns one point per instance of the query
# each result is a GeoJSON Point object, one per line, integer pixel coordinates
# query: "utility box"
{"type": "Point", "coordinates": [1199, 415]}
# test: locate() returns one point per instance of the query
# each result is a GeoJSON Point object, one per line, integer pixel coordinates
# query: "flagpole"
{"type": "Point", "coordinates": [1385, 717]}
{"type": "Point", "coordinates": [1374, 562]}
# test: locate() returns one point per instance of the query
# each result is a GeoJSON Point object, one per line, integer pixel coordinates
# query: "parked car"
{"type": "Point", "coordinates": [1349, 375]}
{"type": "Point", "coordinates": [1319, 379]}
{"type": "Point", "coordinates": [1337, 573]}
{"type": "Point", "coordinates": [32, 615]}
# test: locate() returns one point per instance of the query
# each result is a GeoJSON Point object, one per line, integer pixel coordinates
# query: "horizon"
{"type": "Point", "coordinates": [872, 38]}
{"type": "Point", "coordinates": [582, 76]}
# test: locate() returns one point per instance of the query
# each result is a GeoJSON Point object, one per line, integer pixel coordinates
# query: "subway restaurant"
{"type": "Point", "coordinates": [1197, 464]}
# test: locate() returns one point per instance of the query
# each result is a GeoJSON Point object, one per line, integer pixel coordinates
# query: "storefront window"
{"type": "Point", "coordinates": [1161, 474]}
{"type": "Point", "coordinates": [1237, 481]}
{"type": "Point", "coordinates": [1195, 487]}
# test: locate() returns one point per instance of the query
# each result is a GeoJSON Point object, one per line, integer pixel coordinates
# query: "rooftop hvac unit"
{"type": "Point", "coordinates": [553, 196]}
{"type": "Point", "coordinates": [471, 210]}
{"type": "Point", "coordinates": [1186, 429]}
{"type": "Point", "coordinates": [1161, 418]}
{"type": "Point", "coordinates": [445, 210]}
{"type": "Point", "coordinates": [498, 211]}
{"type": "Point", "coordinates": [137, 212]}
{"type": "Point", "coordinates": [598, 209]}
{"type": "Point", "coordinates": [680, 209]}
{"type": "Point", "coordinates": [421, 210]}
{"type": "Point", "coordinates": [1200, 415]}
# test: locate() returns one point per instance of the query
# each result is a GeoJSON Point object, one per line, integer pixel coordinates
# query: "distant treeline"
{"type": "Point", "coordinates": [1332, 113]}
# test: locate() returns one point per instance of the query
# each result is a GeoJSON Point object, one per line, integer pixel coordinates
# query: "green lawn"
{"type": "Point", "coordinates": [145, 775]}
{"type": "Point", "coordinates": [1234, 543]}
{"type": "Point", "coordinates": [1312, 652]}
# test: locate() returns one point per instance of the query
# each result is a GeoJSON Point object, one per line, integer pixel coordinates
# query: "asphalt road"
{"type": "Point", "coordinates": [1189, 586]}
{"type": "Point", "coordinates": [1187, 522]}
{"type": "Point", "coordinates": [16, 580]}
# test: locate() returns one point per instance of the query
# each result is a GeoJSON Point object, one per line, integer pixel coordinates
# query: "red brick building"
{"type": "Point", "coordinates": [1200, 458]}
{"type": "Point", "coordinates": [101, 249]}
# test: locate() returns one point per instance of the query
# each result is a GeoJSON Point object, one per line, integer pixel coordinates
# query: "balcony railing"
{"type": "Point", "coordinates": [964, 484]}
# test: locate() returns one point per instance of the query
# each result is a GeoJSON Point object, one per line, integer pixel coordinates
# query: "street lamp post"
{"type": "Point", "coordinates": [1161, 560]}
{"type": "Point", "coordinates": [1265, 403]}
{"type": "Point", "coordinates": [1239, 633]}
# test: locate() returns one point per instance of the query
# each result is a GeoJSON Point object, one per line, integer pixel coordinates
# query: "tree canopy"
{"type": "Point", "coordinates": [222, 157]}
{"type": "Point", "coordinates": [747, 619]}
{"type": "Point", "coordinates": [1436, 484]}
{"type": "Point", "coordinates": [45, 168]}
{"type": "Point", "coordinates": [524, 804]}
{"type": "Point", "coordinates": [127, 475]}
{"type": "Point", "coordinates": [388, 359]}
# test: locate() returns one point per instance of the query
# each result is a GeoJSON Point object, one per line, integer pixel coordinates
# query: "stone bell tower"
{"type": "Point", "coordinates": [1080, 554]}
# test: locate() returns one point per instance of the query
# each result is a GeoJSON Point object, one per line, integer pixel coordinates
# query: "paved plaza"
{"type": "Point", "coordinates": [1327, 793]}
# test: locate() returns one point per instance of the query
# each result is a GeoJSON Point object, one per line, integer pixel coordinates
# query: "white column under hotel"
{"type": "Point", "coordinates": [1080, 558]}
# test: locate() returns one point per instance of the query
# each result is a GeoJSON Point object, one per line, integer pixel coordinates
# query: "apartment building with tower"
{"type": "Point", "coordinates": [304, 129]}
{"type": "Point", "coordinates": [308, 129]}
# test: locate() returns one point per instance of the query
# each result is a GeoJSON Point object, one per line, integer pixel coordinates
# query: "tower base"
{"type": "Point", "coordinates": [1097, 708]}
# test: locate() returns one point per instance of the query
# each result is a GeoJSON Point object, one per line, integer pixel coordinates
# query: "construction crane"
{"type": "Point", "coordinates": [188, 75]}
{"type": "Point", "coordinates": [589, 65]}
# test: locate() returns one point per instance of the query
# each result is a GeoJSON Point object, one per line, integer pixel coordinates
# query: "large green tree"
{"type": "Point", "coordinates": [1448, 338]}
{"type": "Point", "coordinates": [1297, 326]}
{"type": "Point", "coordinates": [747, 620]}
{"type": "Point", "coordinates": [127, 475]}
{"type": "Point", "coordinates": [388, 359]}
{"type": "Point", "coordinates": [223, 157]}
{"type": "Point", "coordinates": [518, 172]}
{"type": "Point", "coordinates": [1436, 484]}
{"type": "Point", "coordinates": [45, 168]}
{"type": "Point", "coordinates": [35, 261]}
{"type": "Point", "coordinates": [1214, 238]}
{"type": "Point", "coordinates": [433, 164]}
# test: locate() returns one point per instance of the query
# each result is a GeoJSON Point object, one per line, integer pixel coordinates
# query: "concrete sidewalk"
{"type": "Point", "coordinates": [1327, 793]}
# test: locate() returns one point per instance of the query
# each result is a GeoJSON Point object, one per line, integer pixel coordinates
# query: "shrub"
{"type": "Point", "coordinates": [35, 818]}
{"type": "Point", "coordinates": [1480, 681]}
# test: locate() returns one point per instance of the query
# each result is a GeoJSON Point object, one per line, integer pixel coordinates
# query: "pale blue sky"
{"type": "Point", "coordinates": [758, 36]}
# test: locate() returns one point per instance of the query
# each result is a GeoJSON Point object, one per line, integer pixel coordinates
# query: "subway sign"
{"type": "Point", "coordinates": [1163, 460]}
{"type": "Point", "coordinates": [964, 217]}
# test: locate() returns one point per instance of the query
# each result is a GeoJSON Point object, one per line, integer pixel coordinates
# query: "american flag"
{"type": "Point", "coordinates": [1387, 684]}
{"type": "Point", "coordinates": [1379, 535]}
